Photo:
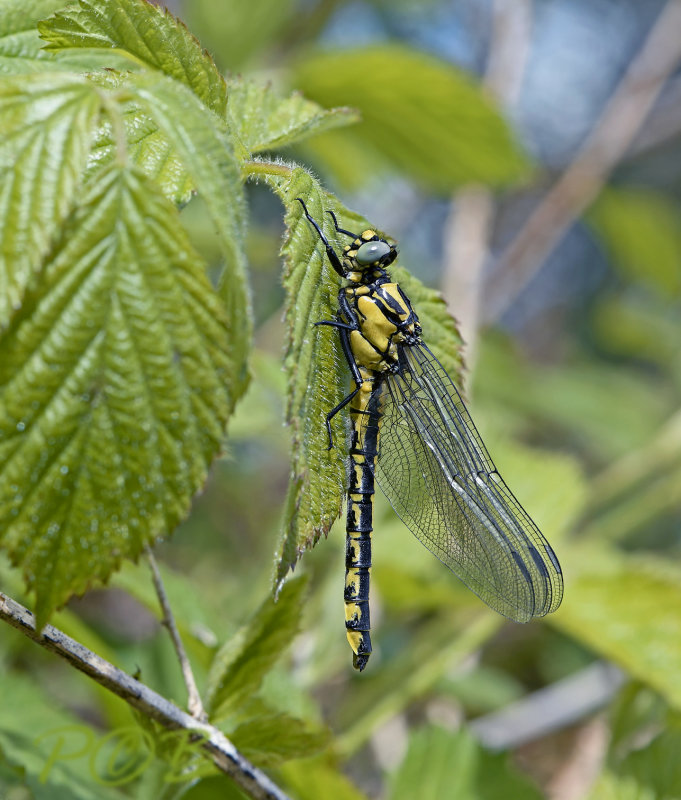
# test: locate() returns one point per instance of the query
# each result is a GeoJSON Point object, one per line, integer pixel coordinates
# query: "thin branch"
{"type": "Point", "coordinates": [468, 228]}
{"type": "Point", "coordinates": [605, 146]}
{"type": "Point", "coordinates": [466, 245]}
{"type": "Point", "coordinates": [193, 697]}
{"type": "Point", "coordinates": [664, 121]}
{"type": "Point", "coordinates": [509, 49]}
{"type": "Point", "coordinates": [223, 753]}
{"type": "Point", "coordinates": [550, 709]}
{"type": "Point", "coordinates": [575, 778]}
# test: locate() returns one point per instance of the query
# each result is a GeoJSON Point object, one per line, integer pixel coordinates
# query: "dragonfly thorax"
{"type": "Point", "coordinates": [384, 319]}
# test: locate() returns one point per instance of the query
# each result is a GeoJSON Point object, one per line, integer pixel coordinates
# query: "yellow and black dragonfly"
{"type": "Point", "coordinates": [412, 431]}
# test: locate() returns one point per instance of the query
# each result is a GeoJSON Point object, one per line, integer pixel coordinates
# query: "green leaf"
{"type": "Point", "coordinates": [637, 491]}
{"type": "Point", "coordinates": [313, 779]}
{"type": "Point", "coordinates": [237, 31]}
{"type": "Point", "coordinates": [637, 325]}
{"type": "Point", "coordinates": [20, 47]}
{"type": "Point", "coordinates": [642, 231]}
{"type": "Point", "coordinates": [46, 123]}
{"type": "Point", "coordinates": [429, 118]}
{"type": "Point", "coordinates": [146, 145]}
{"type": "Point", "coordinates": [625, 608]}
{"type": "Point", "coordinates": [272, 739]}
{"type": "Point", "coordinates": [113, 397]}
{"type": "Point", "coordinates": [149, 33]}
{"type": "Point", "coordinates": [243, 661]}
{"type": "Point", "coordinates": [349, 157]}
{"type": "Point", "coordinates": [265, 121]}
{"type": "Point", "coordinates": [652, 772]}
{"type": "Point", "coordinates": [316, 373]}
{"type": "Point", "coordinates": [441, 764]}
{"type": "Point", "coordinates": [47, 744]}
{"type": "Point", "coordinates": [204, 147]}
{"type": "Point", "coordinates": [216, 787]}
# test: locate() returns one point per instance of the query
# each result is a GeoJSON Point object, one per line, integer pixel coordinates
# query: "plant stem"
{"type": "Point", "coordinates": [468, 230]}
{"type": "Point", "coordinates": [193, 697]}
{"type": "Point", "coordinates": [256, 169]}
{"type": "Point", "coordinates": [223, 753]}
{"type": "Point", "coordinates": [603, 149]}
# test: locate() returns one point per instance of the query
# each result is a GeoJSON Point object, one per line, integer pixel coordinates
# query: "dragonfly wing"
{"type": "Point", "coordinates": [437, 474]}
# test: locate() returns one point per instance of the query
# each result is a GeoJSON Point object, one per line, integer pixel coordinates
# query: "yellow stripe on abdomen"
{"type": "Point", "coordinates": [360, 525]}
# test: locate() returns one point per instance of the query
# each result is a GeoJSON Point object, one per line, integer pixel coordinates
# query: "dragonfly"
{"type": "Point", "coordinates": [412, 434]}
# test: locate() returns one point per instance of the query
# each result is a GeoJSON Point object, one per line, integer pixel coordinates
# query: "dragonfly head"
{"type": "Point", "coordinates": [366, 254]}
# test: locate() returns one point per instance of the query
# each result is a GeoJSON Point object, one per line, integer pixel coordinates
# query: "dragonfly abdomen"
{"type": "Point", "coordinates": [359, 524]}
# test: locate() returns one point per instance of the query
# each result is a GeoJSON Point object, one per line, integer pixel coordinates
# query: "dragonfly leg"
{"type": "Point", "coordinates": [330, 252]}
{"type": "Point", "coordinates": [335, 324]}
{"type": "Point", "coordinates": [341, 230]}
{"type": "Point", "coordinates": [344, 329]}
{"type": "Point", "coordinates": [335, 410]}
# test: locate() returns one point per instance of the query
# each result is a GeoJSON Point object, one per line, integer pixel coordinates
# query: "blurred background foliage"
{"type": "Point", "coordinates": [573, 326]}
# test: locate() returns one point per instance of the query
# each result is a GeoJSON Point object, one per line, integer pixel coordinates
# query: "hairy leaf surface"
{"type": "Point", "coordinates": [21, 50]}
{"type": "Point", "coordinates": [265, 121]}
{"type": "Point", "coordinates": [149, 33]}
{"type": "Point", "coordinates": [204, 146]}
{"type": "Point", "coordinates": [46, 122]}
{"type": "Point", "coordinates": [113, 397]}
{"type": "Point", "coordinates": [272, 739]}
{"type": "Point", "coordinates": [316, 373]}
{"type": "Point", "coordinates": [243, 661]}
{"type": "Point", "coordinates": [146, 144]}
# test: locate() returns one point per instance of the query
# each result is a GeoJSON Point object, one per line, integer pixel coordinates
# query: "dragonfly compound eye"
{"type": "Point", "coordinates": [371, 252]}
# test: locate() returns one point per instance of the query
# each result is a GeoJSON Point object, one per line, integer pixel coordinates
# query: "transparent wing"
{"type": "Point", "coordinates": [437, 474]}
